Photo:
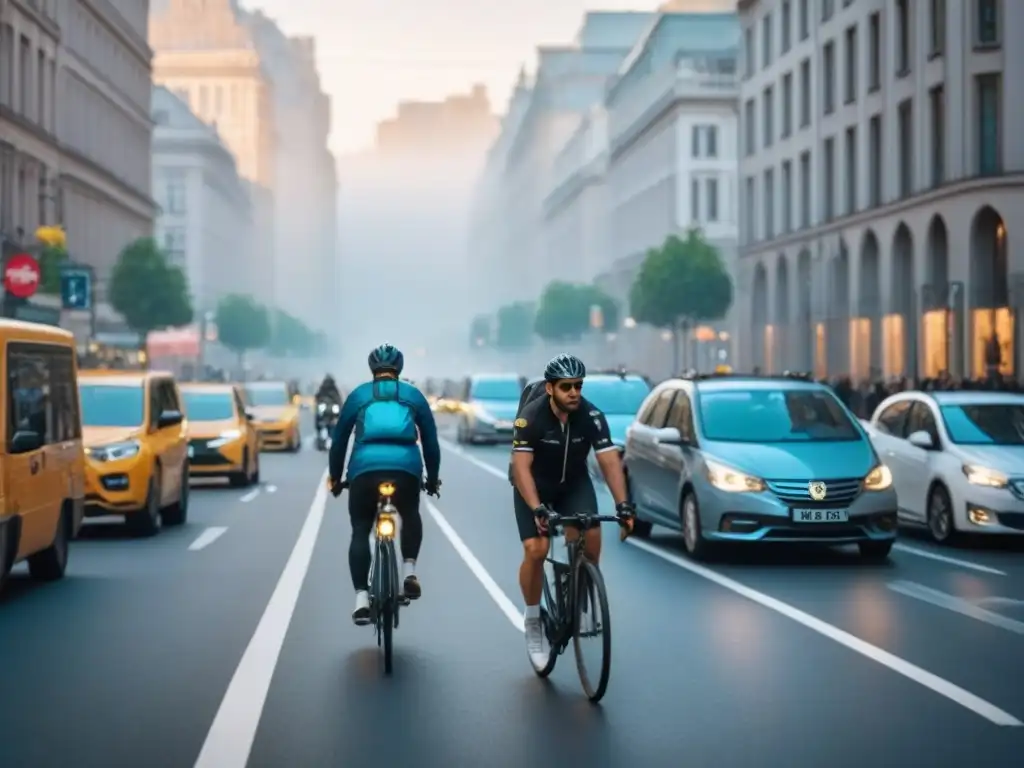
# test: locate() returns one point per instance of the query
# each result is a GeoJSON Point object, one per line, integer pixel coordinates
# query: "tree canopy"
{"type": "Point", "coordinates": [150, 293]}
{"type": "Point", "coordinates": [480, 331]}
{"type": "Point", "coordinates": [291, 337]}
{"type": "Point", "coordinates": [243, 324]}
{"type": "Point", "coordinates": [683, 281]}
{"type": "Point", "coordinates": [515, 325]}
{"type": "Point", "coordinates": [565, 310]}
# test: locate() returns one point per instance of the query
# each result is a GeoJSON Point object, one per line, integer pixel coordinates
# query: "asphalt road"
{"type": "Point", "coordinates": [227, 643]}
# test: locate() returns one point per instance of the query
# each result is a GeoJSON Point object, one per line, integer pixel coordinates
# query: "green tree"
{"type": "Point", "coordinates": [565, 310]}
{"type": "Point", "coordinates": [515, 325]}
{"type": "Point", "coordinates": [243, 324]}
{"type": "Point", "coordinates": [291, 337]}
{"type": "Point", "coordinates": [50, 260]}
{"type": "Point", "coordinates": [680, 284]}
{"type": "Point", "coordinates": [150, 293]}
{"type": "Point", "coordinates": [480, 331]}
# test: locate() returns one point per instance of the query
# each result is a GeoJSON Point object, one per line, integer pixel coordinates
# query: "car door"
{"type": "Point", "coordinates": [177, 437]}
{"type": "Point", "coordinates": [645, 468]}
{"type": "Point", "coordinates": [918, 461]}
{"type": "Point", "coordinates": [251, 438]}
{"type": "Point", "coordinates": [673, 458]}
{"type": "Point", "coordinates": [889, 441]}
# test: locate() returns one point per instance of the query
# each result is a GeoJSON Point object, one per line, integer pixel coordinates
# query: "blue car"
{"type": "Point", "coordinates": [489, 407]}
{"type": "Point", "coordinates": [758, 459]}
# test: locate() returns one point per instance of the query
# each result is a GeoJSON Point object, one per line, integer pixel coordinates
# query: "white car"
{"type": "Point", "coordinates": [957, 459]}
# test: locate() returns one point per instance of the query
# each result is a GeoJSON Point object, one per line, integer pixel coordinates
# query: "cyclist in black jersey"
{"type": "Point", "coordinates": [553, 436]}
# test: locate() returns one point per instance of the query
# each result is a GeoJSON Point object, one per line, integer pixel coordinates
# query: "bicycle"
{"type": "Point", "coordinates": [578, 589]}
{"type": "Point", "coordinates": [386, 591]}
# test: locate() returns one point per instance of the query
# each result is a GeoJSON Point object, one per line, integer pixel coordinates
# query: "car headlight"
{"type": "Point", "coordinates": [984, 476]}
{"type": "Point", "coordinates": [335, 408]}
{"type": "Point", "coordinates": [728, 479]}
{"type": "Point", "coordinates": [878, 479]}
{"type": "Point", "coordinates": [482, 414]}
{"type": "Point", "coordinates": [114, 451]}
{"type": "Point", "coordinates": [225, 438]}
{"type": "Point", "coordinates": [321, 407]}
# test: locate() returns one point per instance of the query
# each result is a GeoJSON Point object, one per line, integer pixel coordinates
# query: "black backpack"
{"type": "Point", "coordinates": [531, 392]}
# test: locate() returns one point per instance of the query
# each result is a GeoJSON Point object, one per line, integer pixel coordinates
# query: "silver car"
{"type": "Point", "coordinates": [489, 405]}
{"type": "Point", "coordinates": [751, 459]}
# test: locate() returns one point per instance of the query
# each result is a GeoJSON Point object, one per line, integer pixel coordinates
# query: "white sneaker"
{"type": "Point", "coordinates": [361, 615]}
{"type": "Point", "coordinates": [536, 643]}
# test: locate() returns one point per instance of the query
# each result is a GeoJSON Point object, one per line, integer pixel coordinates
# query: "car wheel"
{"type": "Point", "coordinates": [940, 515]}
{"type": "Point", "coordinates": [693, 536]}
{"type": "Point", "coordinates": [177, 513]}
{"type": "Point", "coordinates": [243, 477]}
{"type": "Point", "coordinates": [51, 563]}
{"type": "Point", "coordinates": [147, 521]}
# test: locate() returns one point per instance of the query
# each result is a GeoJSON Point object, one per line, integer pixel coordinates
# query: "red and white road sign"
{"type": "Point", "coordinates": [21, 275]}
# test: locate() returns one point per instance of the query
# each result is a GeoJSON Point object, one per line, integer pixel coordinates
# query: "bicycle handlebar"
{"type": "Point", "coordinates": [345, 485]}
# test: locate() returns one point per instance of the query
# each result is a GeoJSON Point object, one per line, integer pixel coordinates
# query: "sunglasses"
{"type": "Point", "coordinates": [569, 386]}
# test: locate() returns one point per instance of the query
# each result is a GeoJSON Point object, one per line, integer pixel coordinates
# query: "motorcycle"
{"type": "Point", "coordinates": [326, 417]}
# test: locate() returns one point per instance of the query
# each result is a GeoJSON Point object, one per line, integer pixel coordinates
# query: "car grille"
{"type": "Point", "coordinates": [205, 456]}
{"type": "Point", "coordinates": [1013, 520]}
{"type": "Point", "coordinates": [839, 492]}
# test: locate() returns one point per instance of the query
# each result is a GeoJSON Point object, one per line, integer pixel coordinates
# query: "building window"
{"type": "Point", "coordinates": [904, 36]}
{"type": "Point", "coordinates": [748, 52]}
{"type": "Point", "coordinates": [851, 170]}
{"type": "Point", "coordinates": [905, 126]}
{"type": "Point", "coordinates": [176, 197]}
{"type": "Point", "coordinates": [787, 197]}
{"type": "Point", "coordinates": [25, 88]}
{"type": "Point", "coordinates": [174, 245]}
{"type": "Point", "coordinates": [875, 162]}
{"type": "Point", "coordinates": [828, 86]}
{"type": "Point", "coordinates": [751, 195]}
{"type": "Point", "coordinates": [937, 102]}
{"type": "Point", "coordinates": [850, 81]}
{"type": "Point", "coordinates": [804, 19]}
{"type": "Point", "coordinates": [937, 28]}
{"type": "Point", "coordinates": [828, 178]}
{"type": "Point", "coordinates": [805, 190]}
{"type": "Point", "coordinates": [805, 93]}
{"type": "Point", "coordinates": [750, 127]}
{"type": "Point", "coordinates": [769, 204]}
{"type": "Point", "coordinates": [827, 9]}
{"type": "Point", "coordinates": [704, 141]}
{"type": "Point", "coordinates": [875, 52]}
{"type": "Point", "coordinates": [787, 26]}
{"type": "Point", "coordinates": [787, 105]}
{"type": "Point", "coordinates": [989, 88]}
{"type": "Point", "coordinates": [766, 40]}
{"type": "Point", "coordinates": [769, 114]}
{"type": "Point", "coordinates": [695, 201]}
{"type": "Point", "coordinates": [711, 193]}
{"type": "Point", "coordinates": [987, 21]}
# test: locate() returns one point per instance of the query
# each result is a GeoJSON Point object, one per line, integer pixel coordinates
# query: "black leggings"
{"type": "Point", "coordinates": [363, 495]}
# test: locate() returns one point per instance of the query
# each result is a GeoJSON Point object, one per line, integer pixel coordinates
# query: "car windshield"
{"type": "Point", "coordinates": [495, 389]}
{"type": "Point", "coordinates": [775, 416]}
{"type": "Point", "coordinates": [208, 406]}
{"type": "Point", "coordinates": [275, 395]}
{"type": "Point", "coordinates": [111, 406]}
{"type": "Point", "coordinates": [616, 396]}
{"type": "Point", "coordinates": [989, 424]}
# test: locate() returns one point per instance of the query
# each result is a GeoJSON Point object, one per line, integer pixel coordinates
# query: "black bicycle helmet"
{"type": "Point", "coordinates": [564, 366]}
{"type": "Point", "coordinates": [386, 357]}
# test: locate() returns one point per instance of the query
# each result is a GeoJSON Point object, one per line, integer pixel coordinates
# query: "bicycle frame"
{"type": "Point", "coordinates": [384, 577]}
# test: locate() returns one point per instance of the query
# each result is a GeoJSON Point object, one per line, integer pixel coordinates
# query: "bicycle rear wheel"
{"type": "Point", "coordinates": [386, 594]}
{"type": "Point", "coordinates": [550, 619]}
{"type": "Point", "coordinates": [387, 627]}
{"type": "Point", "coordinates": [592, 623]}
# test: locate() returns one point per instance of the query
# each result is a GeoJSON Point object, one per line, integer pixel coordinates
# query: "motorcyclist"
{"type": "Point", "coordinates": [328, 391]}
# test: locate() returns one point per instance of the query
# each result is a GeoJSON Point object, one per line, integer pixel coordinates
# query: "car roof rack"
{"type": "Point", "coordinates": [785, 376]}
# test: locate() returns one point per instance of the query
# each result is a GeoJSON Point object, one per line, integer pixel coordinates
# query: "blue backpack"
{"type": "Point", "coordinates": [386, 418]}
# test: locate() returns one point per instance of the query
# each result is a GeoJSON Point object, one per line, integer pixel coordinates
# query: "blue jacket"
{"type": "Point", "coordinates": [387, 417]}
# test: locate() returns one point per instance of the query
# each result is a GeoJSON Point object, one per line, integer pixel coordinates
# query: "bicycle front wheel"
{"type": "Point", "coordinates": [592, 632]}
{"type": "Point", "coordinates": [550, 618]}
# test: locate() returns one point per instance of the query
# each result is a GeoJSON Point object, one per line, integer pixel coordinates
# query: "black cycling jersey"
{"type": "Point", "coordinates": [560, 450]}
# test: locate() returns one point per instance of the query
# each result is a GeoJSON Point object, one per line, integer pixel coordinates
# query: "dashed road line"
{"type": "Point", "coordinates": [206, 538]}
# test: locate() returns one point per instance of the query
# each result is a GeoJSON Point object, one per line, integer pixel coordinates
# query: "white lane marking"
{"type": "Point", "coordinates": [956, 604]}
{"type": "Point", "coordinates": [231, 736]}
{"type": "Point", "coordinates": [950, 560]}
{"type": "Point", "coordinates": [206, 538]}
{"type": "Point", "coordinates": [250, 495]}
{"type": "Point", "coordinates": [271, 489]}
{"type": "Point", "coordinates": [489, 468]}
{"type": "Point", "coordinates": [898, 665]}
{"type": "Point", "coordinates": [506, 605]}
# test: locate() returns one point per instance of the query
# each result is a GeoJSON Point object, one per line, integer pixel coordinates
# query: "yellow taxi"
{"type": "Point", "coordinates": [222, 440]}
{"type": "Point", "coordinates": [136, 447]}
{"type": "Point", "coordinates": [42, 467]}
{"type": "Point", "coordinates": [275, 415]}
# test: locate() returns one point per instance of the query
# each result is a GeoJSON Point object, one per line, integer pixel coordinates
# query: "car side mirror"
{"type": "Point", "coordinates": [170, 419]}
{"type": "Point", "coordinates": [26, 441]}
{"type": "Point", "coordinates": [668, 436]}
{"type": "Point", "coordinates": [249, 414]}
{"type": "Point", "coordinates": [922, 440]}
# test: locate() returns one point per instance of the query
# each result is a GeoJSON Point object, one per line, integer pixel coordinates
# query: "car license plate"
{"type": "Point", "coordinates": [821, 515]}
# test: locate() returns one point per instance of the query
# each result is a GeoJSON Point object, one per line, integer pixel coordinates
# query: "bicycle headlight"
{"type": "Point", "coordinates": [387, 490]}
{"type": "Point", "coordinates": [321, 407]}
{"type": "Point", "coordinates": [385, 527]}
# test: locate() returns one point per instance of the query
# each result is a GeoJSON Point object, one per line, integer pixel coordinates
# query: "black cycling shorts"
{"type": "Point", "coordinates": [576, 499]}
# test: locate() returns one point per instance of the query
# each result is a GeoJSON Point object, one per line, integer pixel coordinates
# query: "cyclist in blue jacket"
{"type": "Point", "coordinates": [387, 416]}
